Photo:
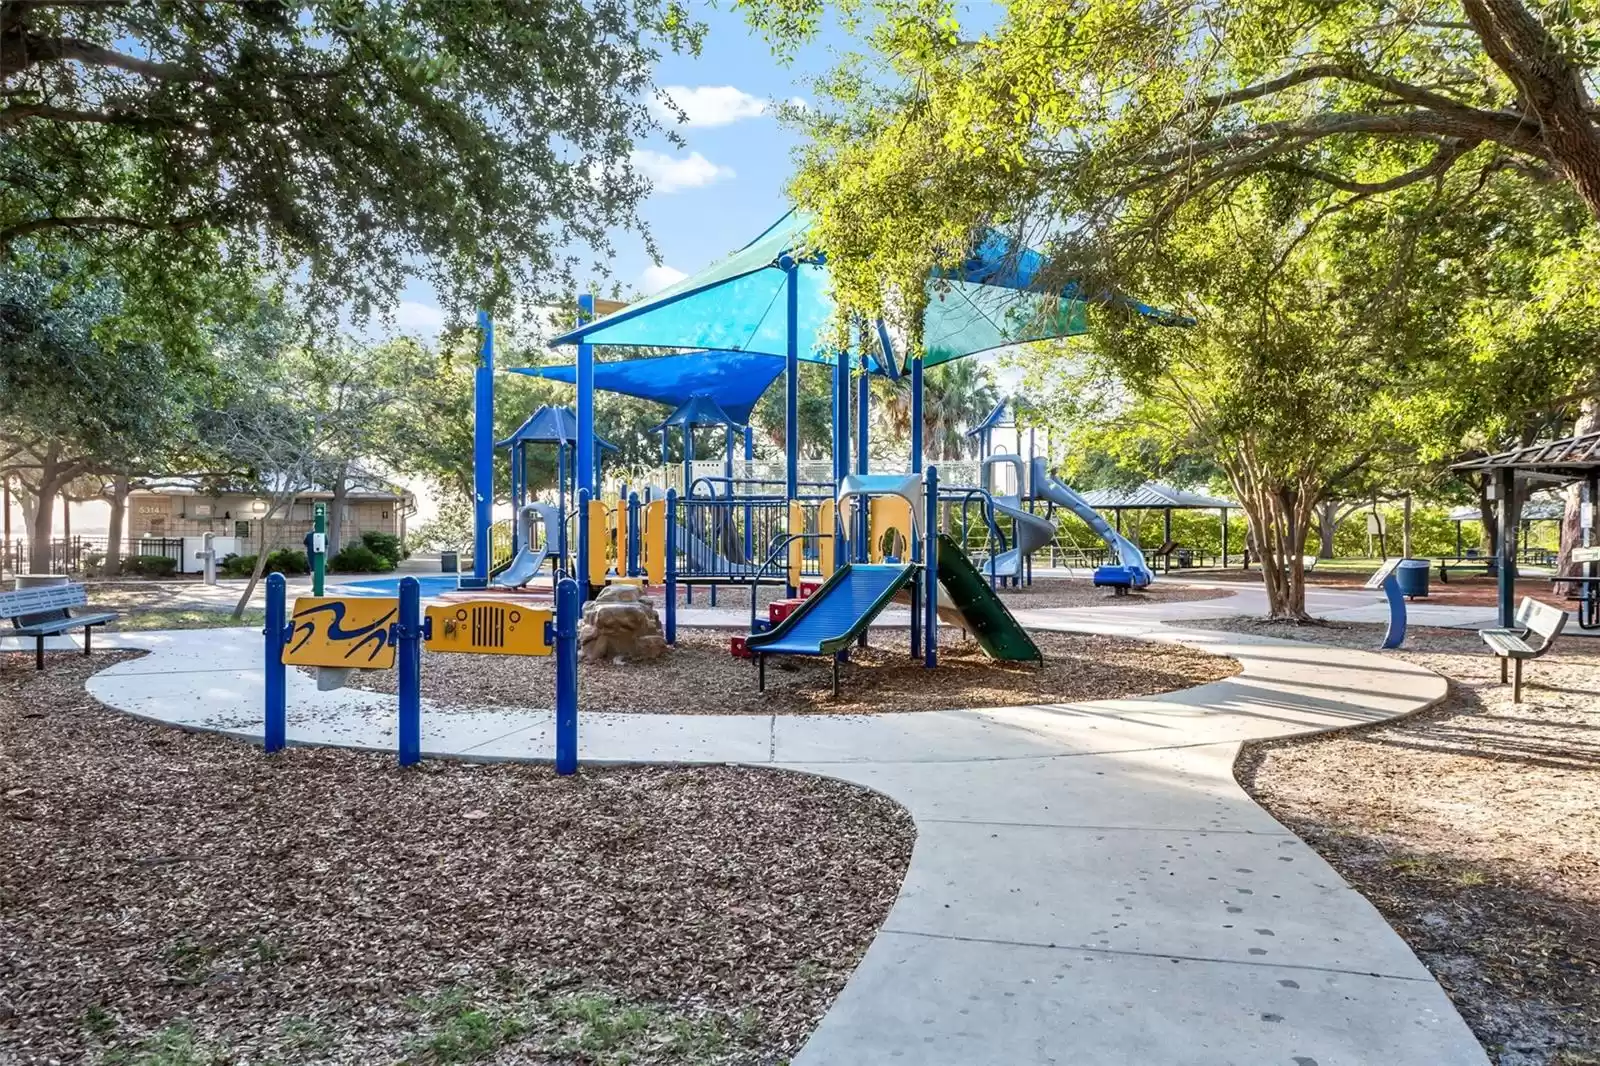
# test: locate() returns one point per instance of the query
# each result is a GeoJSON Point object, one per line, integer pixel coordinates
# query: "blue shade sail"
{"type": "Point", "coordinates": [741, 303]}
{"type": "Point", "coordinates": [698, 410]}
{"type": "Point", "coordinates": [550, 425]}
{"type": "Point", "coordinates": [734, 381]}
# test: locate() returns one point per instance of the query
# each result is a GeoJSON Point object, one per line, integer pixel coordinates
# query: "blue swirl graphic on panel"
{"type": "Point", "coordinates": [375, 634]}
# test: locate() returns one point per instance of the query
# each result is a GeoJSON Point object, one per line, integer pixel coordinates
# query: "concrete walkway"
{"type": "Point", "coordinates": [1089, 883]}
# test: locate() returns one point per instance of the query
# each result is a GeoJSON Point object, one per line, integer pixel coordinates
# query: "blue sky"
{"type": "Point", "coordinates": [725, 184]}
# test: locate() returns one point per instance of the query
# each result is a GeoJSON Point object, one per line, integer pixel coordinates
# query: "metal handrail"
{"type": "Point", "coordinates": [965, 496]}
{"type": "Point", "coordinates": [779, 548]}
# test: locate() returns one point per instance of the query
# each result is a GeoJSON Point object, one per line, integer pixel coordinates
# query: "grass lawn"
{"type": "Point", "coordinates": [185, 618]}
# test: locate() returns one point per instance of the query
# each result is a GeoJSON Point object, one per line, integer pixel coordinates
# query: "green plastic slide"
{"type": "Point", "coordinates": [988, 620]}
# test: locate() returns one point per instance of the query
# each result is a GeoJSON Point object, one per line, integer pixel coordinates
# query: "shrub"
{"type": "Point", "coordinates": [357, 558]}
{"type": "Point", "coordinates": [286, 561]}
{"type": "Point", "coordinates": [233, 565]}
{"type": "Point", "coordinates": [384, 545]}
{"type": "Point", "coordinates": [149, 565]}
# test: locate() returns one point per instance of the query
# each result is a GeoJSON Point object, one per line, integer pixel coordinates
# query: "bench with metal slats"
{"type": "Point", "coordinates": [1536, 630]}
{"type": "Point", "coordinates": [47, 611]}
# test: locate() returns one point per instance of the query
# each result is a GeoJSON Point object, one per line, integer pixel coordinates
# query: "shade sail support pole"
{"type": "Point", "coordinates": [584, 458]}
{"type": "Point", "coordinates": [791, 397]}
{"type": "Point", "coordinates": [916, 415]}
{"type": "Point", "coordinates": [483, 451]}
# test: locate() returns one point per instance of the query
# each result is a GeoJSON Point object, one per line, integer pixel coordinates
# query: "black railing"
{"type": "Point", "coordinates": [82, 554]}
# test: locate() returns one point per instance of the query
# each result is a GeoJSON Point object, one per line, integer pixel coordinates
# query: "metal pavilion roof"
{"type": "Point", "coordinates": [1568, 457]}
{"type": "Point", "coordinates": [1153, 495]}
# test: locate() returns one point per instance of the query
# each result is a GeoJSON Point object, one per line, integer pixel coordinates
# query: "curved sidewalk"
{"type": "Point", "coordinates": [1089, 883]}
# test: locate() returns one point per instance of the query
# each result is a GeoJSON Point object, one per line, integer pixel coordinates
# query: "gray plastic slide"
{"type": "Point", "coordinates": [529, 559]}
{"type": "Point", "coordinates": [1047, 487]}
{"type": "Point", "coordinates": [1030, 532]}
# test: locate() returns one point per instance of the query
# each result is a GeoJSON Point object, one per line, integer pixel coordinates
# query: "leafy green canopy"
{"type": "Point", "coordinates": [1093, 121]}
{"type": "Point", "coordinates": [345, 138]}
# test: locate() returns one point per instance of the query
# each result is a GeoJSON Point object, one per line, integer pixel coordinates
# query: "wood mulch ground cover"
{"type": "Point", "coordinates": [1474, 827]}
{"type": "Point", "coordinates": [177, 899]}
{"type": "Point", "coordinates": [699, 676]}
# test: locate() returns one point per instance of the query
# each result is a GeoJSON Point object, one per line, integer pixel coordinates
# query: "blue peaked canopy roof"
{"type": "Point", "coordinates": [698, 410]}
{"type": "Point", "coordinates": [734, 380]}
{"type": "Point", "coordinates": [550, 425]}
{"type": "Point", "coordinates": [742, 304]}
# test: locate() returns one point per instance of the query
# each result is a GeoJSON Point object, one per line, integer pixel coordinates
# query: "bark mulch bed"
{"type": "Point", "coordinates": [176, 899]}
{"type": "Point", "coordinates": [1474, 827]}
{"type": "Point", "coordinates": [701, 677]}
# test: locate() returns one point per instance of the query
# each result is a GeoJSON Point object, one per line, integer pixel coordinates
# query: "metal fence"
{"type": "Point", "coordinates": [728, 540]}
{"type": "Point", "coordinates": [83, 554]}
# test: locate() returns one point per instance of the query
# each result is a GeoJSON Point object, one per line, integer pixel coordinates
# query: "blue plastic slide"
{"type": "Point", "coordinates": [830, 618]}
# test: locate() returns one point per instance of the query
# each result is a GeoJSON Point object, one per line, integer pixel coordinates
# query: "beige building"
{"type": "Point", "coordinates": [183, 509]}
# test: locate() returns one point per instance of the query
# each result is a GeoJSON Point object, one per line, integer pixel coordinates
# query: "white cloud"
{"type": "Point", "coordinates": [419, 319]}
{"type": "Point", "coordinates": [708, 105]}
{"type": "Point", "coordinates": [675, 173]}
{"type": "Point", "coordinates": [657, 277]}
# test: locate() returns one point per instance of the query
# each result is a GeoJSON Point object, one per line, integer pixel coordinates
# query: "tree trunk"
{"type": "Point", "coordinates": [277, 504]}
{"type": "Point", "coordinates": [119, 509]}
{"type": "Point", "coordinates": [1405, 528]}
{"type": "Point", "coordinates": [1572, 516]}
{"type": "Point", "coordinates": [1277, 519]}
{"type": "Point", "coordinates": [43, 527]}
{"type": "Point", "coordinates": [1327, 513]}
{"type": "Point", "coordinates": [341, 492]}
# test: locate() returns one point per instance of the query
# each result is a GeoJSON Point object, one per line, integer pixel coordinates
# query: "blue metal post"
{"type": "Point", "coordinates": [583, 475]}
{"type": "Point", "coordinates": [791, 397]}
{"type": "Point", "coordinates": [274, 733]}
{"type": "Point", "coordinates": [749, 531]}
{"type": "Point", "coordinates": [407, 636]}
{"type": "Point", "coordinates": [672, 566]}
{"type": "Point", "coordinates": [581, 570]}
{"type": "Point", "coordinates": [841, 415]}
{"type": "Point", "coordinates": [930, 572]}
{"type": "Point", "coordinates": [568, 611]}
{"type": "Point", "coordinates": [863, 417]}
{"type": "Point", "coordinates": [916, 415]}
{"type": "Point", "coordinates": [688, 456]}
{"type": "Point", "coordinates": [483, 452]}
{"type": "Point", "coordinates": [633, 534]}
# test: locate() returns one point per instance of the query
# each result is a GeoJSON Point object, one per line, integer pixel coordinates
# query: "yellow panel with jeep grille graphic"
{"type": "Point", "coordinates": [489, 627]}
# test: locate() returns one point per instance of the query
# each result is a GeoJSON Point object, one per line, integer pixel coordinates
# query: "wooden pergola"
{"type": "Point", "coordinates": [1558, 462]}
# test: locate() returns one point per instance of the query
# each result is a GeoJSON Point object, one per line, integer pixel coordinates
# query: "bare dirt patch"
{"type": "Point", "coordinates": [1474, 828]}
{"type": "Point", "coordinates": [177, 898]}
{"type": "Point", "coordinates": [699, 676]}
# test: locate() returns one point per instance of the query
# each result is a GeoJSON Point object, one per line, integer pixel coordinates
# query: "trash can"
{"type": "Point", "coordinates": [1413, 577]}
{"type": "Point", "coordinates": [449, 562]}
{"type": "Point", "coordinates": [1185, 558]}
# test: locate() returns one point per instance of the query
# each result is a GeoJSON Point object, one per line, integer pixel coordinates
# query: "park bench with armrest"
{"type": "Point", "coordinates": [1536, 630]}
{"type": "Point", "coordinates": [47, 611]}
{"type": "Point", "coordinates": [1164, 553]}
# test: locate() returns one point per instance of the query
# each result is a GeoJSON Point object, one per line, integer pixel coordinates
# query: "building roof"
{"type": "Point", "coordinates": [1153, 495]}
{"type": "Point", "coordinates": [1571, 457]}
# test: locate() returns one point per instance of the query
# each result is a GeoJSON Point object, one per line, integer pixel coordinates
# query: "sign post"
{"type": "Point", "coordinates": [319, 546]}
{"type": "Point", "coordinates": [275, 729]}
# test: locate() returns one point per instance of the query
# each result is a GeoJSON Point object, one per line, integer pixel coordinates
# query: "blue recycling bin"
{"type": "Point", "coordinates": [1412, 576]}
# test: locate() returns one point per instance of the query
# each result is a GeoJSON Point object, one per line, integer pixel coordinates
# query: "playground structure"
{"type": "Point", "coordinates": [862, 537]}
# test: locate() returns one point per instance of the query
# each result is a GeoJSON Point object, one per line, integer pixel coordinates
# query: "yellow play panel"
{"type": "Point", "coordinates": [489, 627]}
{"type": "Point", "coordinates": [342, 631]}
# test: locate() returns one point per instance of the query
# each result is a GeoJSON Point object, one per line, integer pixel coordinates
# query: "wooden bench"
{"type": "Point", "coordinates": [47, 611]}
{"type": "Point", "coordinates": [1536, 630]}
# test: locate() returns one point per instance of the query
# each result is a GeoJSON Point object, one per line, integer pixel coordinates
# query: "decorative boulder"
{"type": "Point", "coordinates": [620, 624]}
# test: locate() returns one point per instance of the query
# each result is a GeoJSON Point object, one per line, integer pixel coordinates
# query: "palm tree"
{"type": "Point", "coordinates": [955, 397]}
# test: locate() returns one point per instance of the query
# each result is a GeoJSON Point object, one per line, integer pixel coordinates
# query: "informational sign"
{"type": "Point", "coordinates": [1586, 555]}
{"type": "Point", "coordinates": [1374, 523]}
{"type": "Point", "coordinates": [1376, 580]}
{"type": "Point", "coordinates": [489, 627]}
{"type": "Point", "coordinates": [337, 631]}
